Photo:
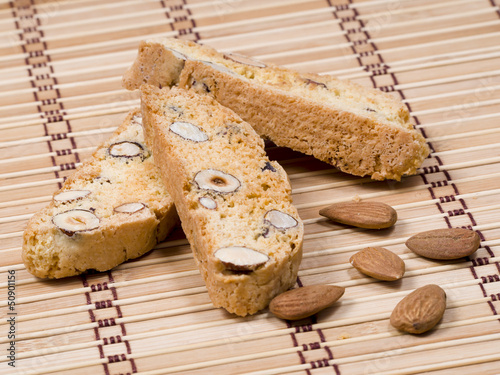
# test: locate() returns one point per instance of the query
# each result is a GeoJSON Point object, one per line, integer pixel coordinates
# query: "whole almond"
{"type": "Point", "coordinates": [379, 263]}
{"type": "Point", "coordinates": [306, 301]}
{"type": "Point", "coordinates": [452, 243]}
{"type": "Point", "coordinates": [369, 215]}
{"type": "Point", "coordinates": [420, 310]}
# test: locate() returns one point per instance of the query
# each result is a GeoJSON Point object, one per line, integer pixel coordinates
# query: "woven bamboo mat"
{"type": "Point", "coordinates": [60, 68]}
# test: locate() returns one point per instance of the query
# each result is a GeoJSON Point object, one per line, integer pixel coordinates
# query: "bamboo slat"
{"type": "Point", "coordinates": [61, 63]}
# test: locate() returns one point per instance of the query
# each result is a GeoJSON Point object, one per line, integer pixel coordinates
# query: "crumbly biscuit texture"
{"type": "Point", "coordinates": [234, 203]}
{"type": "Point", "coordinates": [113, 208]}
{"type": "Point", "coordinates": [361, 131]}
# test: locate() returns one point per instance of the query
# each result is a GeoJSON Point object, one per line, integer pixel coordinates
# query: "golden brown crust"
{"type": "Point", "coordinates": [48, 252]}
{"type": "Point", "coordinates": [237, 217]}
{"type": "Point", "coordinates": [152, 66]}
{"type": "Point", "coordinates": [359, 130]}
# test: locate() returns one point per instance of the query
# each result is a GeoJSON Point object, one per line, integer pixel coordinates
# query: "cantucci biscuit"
{"type": "Point", "coordinates": [113, 208]}
{"type": "Point", "coordinates": [359, 130]}
{"type": "Point", "coordinates": [235, 204]}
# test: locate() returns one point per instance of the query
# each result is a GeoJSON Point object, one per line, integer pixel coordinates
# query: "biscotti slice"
{"type": "Point", "coordinates": [113, 208]}
{"type": "Point", "coordinates": [235, 204]}
{"type": "Point", "coordinates": [359, 130]}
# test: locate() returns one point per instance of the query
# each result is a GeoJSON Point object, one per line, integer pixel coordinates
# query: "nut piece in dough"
{"type": "Point", "coordinates": [126, 149]}
{"type": "Point", "coordinates": [188, 131]}
{"type": "Point", "coordinates": [314, 83]}
{"type": "Point", "coordinates": [236, 57]}
{"type": "Point", "coordinates": [218, 67]}
{"type": "Point", "coordinates": [240, 258]}
{"type": "Point", "coordinates": [70, 195]}
{"type": "Point", "coordinates": [280, 220]}
{"type": "Point", "coordinates": [208, 203]}
{"type": "Point", "coordinates": [130, 208]}
{"type": "Point", "coordinates": [177, 54]}
{"type": "Point", "coordinates": [72, 221]}
{"type": "Point", "coordinates": [137, 119]}
{"type": "Point", "coordinates": [218, 181]}
{"type": "Point", "coordinates": [269, 167]}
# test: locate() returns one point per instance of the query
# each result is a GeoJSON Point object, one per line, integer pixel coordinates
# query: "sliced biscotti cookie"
{"type": "Point", "coordinates": [234, 204]}
{"type": "Point", "coordinates": [113, 208]}
{"type": "Point", "coordinates": [359, 130]}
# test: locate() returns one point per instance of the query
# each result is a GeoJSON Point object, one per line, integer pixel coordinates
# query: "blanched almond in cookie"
{"type": "Point", "coordinates": [126, 149]}
{"type": "Point", "coordinates": [280, 219]}
{"type": "Point", "coordinates": [188, 131]}
{"type": "Point", "coordinates": [177, 54]}
{"type": "Point", "coordinates": [215, 180]}
{"type": "Point", "coordinates": [314, 83]}
{"type": "Point", "coordinates": [240, 258]}
{"type": "Point", "coordinates": [72, 221]}
{"type": "Point", "coordinates": [218, 67]}
{"type": "Point", "coordinates": [208, 203]}
{"type": "Point", "coordinates": [130, 208]}
{"type": "Point", "coordinates": [137, 119]}
{"type": "Point", "coordinates": [70, 195]}
{"type": "Point", "coordinates": [236, 57]}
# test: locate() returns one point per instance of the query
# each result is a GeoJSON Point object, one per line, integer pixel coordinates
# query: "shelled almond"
{"type": "Point", "coordinates": [369, 215]}
{"type": "Point", "coordinates": [379, 263]}
{"type": "Point", "coordinates": [444, 244]}
{"type": "Point", "coordinates": [303, 302]}
{"type": "Point", "coordinates": [420, 310]}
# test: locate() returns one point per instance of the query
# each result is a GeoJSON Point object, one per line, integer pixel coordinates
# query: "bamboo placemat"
{"type": "Point", "coordinates": [60, 69]}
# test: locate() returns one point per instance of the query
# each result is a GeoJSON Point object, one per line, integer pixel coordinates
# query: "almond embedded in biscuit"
{"type": "Point", "coordinates": [314, 83]}
{"type": "Point", "coordinates": [240, 258]}
{"type": "Point", "coordinates": [178, 54]}
{"type": "Point", "coordinates": [126, 149]}
{"type": "Point", "coordinates": [73, 221]}
{"type": "Point", "coordinates": [208, 202]}
{"type": "Point", "coordinates": [280, 220]}
{"type": "Point", "coordinates": [130, 208]}
{"type": "Point", "coordinates": [188, 131]}
{"type": "Point", "coordinates": [70, 195]}
{"type": "Point", "coordinates": [218, 181]}
{"type": "Point", "coordinates": [236, 57]}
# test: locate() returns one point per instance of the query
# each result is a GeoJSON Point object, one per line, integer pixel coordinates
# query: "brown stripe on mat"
{"type": "Point", "coordinates": [183, 22]}
{"type": "Point", "coordinates": [308, 351]}
{"type": "Point", "coordinates": [314, 353]}
{"type": "Point", "coordinates": [105, 311]}
{"type": "Point", "coordinates": [496, 4]}
{"type": "Point", "coordinates": [436, 175]}
{"type": "Point", "coordinates": [41, 72]}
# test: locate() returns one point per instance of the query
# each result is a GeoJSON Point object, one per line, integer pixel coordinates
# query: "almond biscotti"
{"type": "Point", "coordinates": [234, 204]}
{"type": "Point", "coordinates": [113, 208]}
{"type": "Point", "coordinates": [359, 130]}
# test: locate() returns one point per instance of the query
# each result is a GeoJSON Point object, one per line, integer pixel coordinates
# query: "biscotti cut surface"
{"type": "Point", "coordinates": [359, 130]}
{"type": "Point", "coordinates": [113, 208]}
{"type": "Point", "coordinates": [235, 205]}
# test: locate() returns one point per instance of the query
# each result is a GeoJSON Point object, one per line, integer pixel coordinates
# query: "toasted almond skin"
{"type": "Point", "coordinates": [369, 215]}
{"type": "Point", "coordinates": [300, 303]}
{"type": "Point", "coordinates": [379, 263]}
{"type": "Point", "coordinates": [451, 243]}
{"type": "Point", "coordinates": [420, 310]}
